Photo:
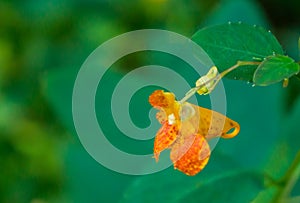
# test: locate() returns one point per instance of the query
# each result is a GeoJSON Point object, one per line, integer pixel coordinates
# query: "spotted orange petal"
{"type": "Point", "coordinates": [210, 123]}
{"type": "Point", "coordinates": [190, 154]}
{"type": "Point", "coordinates": [165, 101]}
{"type": "Point", "coordinates": [161, 117]}
{"type": "Point", "coordinates": [165, 137]}
{"type": "Point", "coordinates": [214, 124]}
{"type": "Point", "coordinates": [185, 128]}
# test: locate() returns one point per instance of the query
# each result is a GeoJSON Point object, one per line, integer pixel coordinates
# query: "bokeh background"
{"type": "Point", "coordinates": [44, 43]}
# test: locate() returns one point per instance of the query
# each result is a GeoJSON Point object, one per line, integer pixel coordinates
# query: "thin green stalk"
{"type": "Point", "coordinates": [192, 91]}
{"type": "Point", "coordinates": [289, 180]}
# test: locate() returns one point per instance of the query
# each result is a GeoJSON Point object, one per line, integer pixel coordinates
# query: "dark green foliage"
{"type": "Point", "coordinates": [44, 43]}
{"type": "Point", "coordinates": [248, 187]}
{"type": "Point", "coordinates": [228, 43]}
{"type": "Point", "coordinates": [274, 69]}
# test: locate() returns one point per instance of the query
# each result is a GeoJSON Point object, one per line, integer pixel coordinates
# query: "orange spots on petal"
{"type": "Point", "coordinates": [159, 98]}
{"type": "Point", "coordinates": [165, 101]}
{"type": "Point", "coordinates": [191, 156]}
{"type": "Point", "coordinates": [212, 124]}
{"type": "Point", "coordinates": [165, 137]}
{"type": "Point", "coordinates": [185, 130]}
{"type": "Point", "coordinates": [161, 117]}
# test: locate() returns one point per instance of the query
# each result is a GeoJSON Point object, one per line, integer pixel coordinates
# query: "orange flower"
{"type": "Point", "coordinates": [186, 129]}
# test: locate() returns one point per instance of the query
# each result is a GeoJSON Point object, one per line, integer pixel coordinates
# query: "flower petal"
{"type": "Point", "coordinates": [161, 117]}
{"type": "Point", "coordinates": [165, 101]}
{"type": "Point", "coordinates": [211, 124]}
{"type": "Point", "coordinates": [185, 128]}
{"type": "Point", "coordinates": [190, 154]}
{"type": "Point", "coordinates": [162, 99]}
{"type": "Point", "coordinates": [165, 137]}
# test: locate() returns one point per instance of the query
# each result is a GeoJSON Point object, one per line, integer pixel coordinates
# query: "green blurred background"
{"type": "Point", "coordinates": [44, 43]}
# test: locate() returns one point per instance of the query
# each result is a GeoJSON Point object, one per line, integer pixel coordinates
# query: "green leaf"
{"type": "Point", "coordinates": [266, 195]}
{"type": "Point", "coordinates": [274, 69]}
{"type": "Point", "coordinates": [299, 45]}
{"type": "Point", "coordinates": [240, 187]}
{"type": "Point", "coordinates": [171, 185]}
{"type": "Point", "coordinates": [298, 76]}
{"type": "Point", "coordinates": [284, 153]}
{"type": "Point", "coordinates": [292, 200]}
{"type": "Point", "coordinates": [228, 43]}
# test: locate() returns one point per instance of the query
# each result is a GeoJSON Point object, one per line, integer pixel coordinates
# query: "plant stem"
{"type": "Point", "coordinates": [192, 91]}
{"type": "Point", "coordinates": [289, 180]}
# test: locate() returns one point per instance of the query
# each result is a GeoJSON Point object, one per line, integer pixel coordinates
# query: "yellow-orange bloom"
{"type": "Point", "coordinates": [186, 129]}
